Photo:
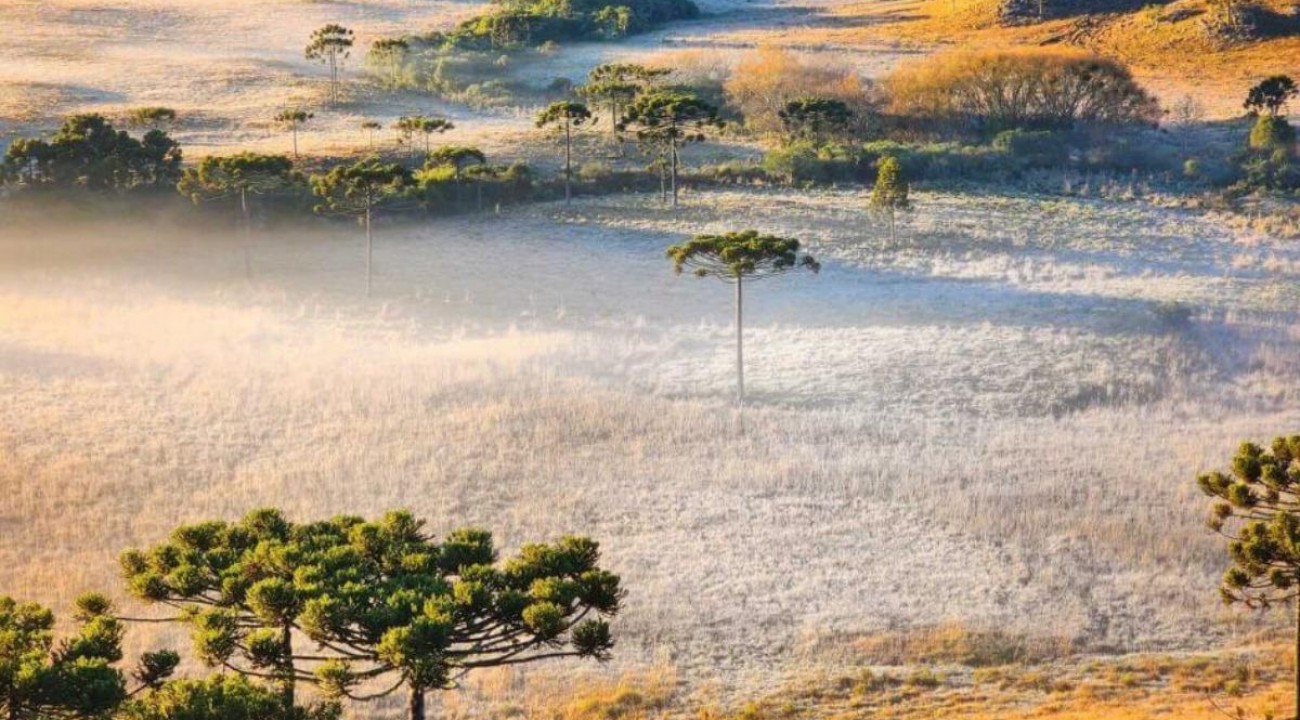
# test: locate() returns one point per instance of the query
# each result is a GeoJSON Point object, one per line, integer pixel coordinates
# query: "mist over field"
{"type": "Point", "coordinates": [1000, 432]}
{"type": "Point", "coordinates": [1029, 268]}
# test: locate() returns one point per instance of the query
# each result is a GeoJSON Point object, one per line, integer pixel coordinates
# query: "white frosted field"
{"type": "Point", "coordinates": [984, 423]}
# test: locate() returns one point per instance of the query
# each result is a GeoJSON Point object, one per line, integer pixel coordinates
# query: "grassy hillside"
{"type": "Point", "coordinates": [1170, 44]}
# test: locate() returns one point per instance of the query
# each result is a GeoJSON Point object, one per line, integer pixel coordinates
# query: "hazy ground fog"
{"type": "Point", "coordinates": [988, 422]}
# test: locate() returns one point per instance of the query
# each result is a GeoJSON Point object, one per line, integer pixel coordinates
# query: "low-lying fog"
{"type": "Point", "coordinates": [995, 421]}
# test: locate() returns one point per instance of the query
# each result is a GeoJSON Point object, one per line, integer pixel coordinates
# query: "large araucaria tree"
{"type": "Point", "coordinates": [665, 121]}
{"type": "Point", "coordinates": [1257, 509]}
{"type": "Point", "coordinates": [566, 115]}
{"type": "Point", "coordinates": [364, 609]}
{"type": "Point", "coordinates": [735, 257]}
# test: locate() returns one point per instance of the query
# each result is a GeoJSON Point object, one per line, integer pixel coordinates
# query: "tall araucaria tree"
{"type": "Point", "coordinates": [359, 190]}
{"type": "Point", "coordinates": [331, 45]}
{"type": "Point", "coordinates": [1257, 509]}
{"type": "Point", "coordinates": [735, 257]}
{"type": "Point", "coordinates": [238, 176]}
{"type": "Point", "coordinates": [616, 85]}
{"type": "Point", "coordinates": [292, 119]}
{"type": "Point", "coordinates": [411, 125]}
{"type": "Point", "coordinates": [566, 115]}
{"type": "Point", "coordinates": [75, 677]}
{"type": "Point", "coordinates": [665, 121]}
{"type": "Point", "coordinates": [388, 57]}
{"type": "Point", "coordinates": [409, 612]}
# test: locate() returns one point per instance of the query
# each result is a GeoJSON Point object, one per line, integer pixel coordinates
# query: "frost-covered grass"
{"type": "Point", "coordinates": [985, 423]}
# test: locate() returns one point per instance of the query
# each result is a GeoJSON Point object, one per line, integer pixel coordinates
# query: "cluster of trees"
{"type": "Point", "coordinates": [356, 609]}
{"type": "Point", "coordinates": [89, 152]}
{"type": "Point", "coordinates": [1270, 161]}
{"type": "Point", "coordinates": [523, 23]}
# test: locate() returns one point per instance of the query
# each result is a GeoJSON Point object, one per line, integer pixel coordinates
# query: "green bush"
{"type": "Point", "coordinates": [1272, 133]}
{"type": "Point", "coordinates": [804, 162]}
{"type": "Point", "coordinates": [1035, 148]}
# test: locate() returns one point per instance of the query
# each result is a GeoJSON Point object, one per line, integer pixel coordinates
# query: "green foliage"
{"type": "Point", "coordinates": [360, 188]}
{"type": "Point", "coordinates": [237, 176]}
{"type": "Point", "coordinates": [815, 119]}
{"type": "Point", "coordinates": [219, 697]}
{"type": "Point", "coordinates": [379, 599]}
{"type": "Point", "coordinates": [565, 113]}
{"type": "Point", "coordinates": [745, 254]}
{"type": "Point", "coordinates": [532, 23]}
{"type": "Point", "coordinates": [1257, 507]}
{"type": "Point", "coordinates": [1036, 148]}
{"type": "Point", "coordinates": [805, 162]}
{"type": "Point", "coordinates": [387, 58]}
{"type": "Point", "coordinates": [76, 677]}
{"type": "Point", "coordinates": [1271, 94]}
{"type": "Point", "coordinates": [891, 190]}
{"type": "Point", "coordinates": [1271, 133]}
{"type": "Point", "coordinates": [411, 125]}
{"type": "Point", "coordinates": [330, 45]}
{"type": "Point", "coordinates": [88, 152]}
{"type": "Point", "coordinates": [153, 117]}
{"type": "Point", "coordinates": [670, 119]}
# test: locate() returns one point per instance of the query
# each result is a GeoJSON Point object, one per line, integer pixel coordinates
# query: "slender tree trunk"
{"type": "Point", "coordinates": [568, 164]}
{"type": "Point", "coordinates": [663, 180]}
{"type": "Point", "coordinates": [674, 174]}
{"type": "Point", "coordinates": [893, 233]}
{"type": "Point", "coordinates": [295, 141]}
{"type": "Point", "coordinates": [370, 249]}
{"type": "Point", "coordinates": [1297, 660]}
{"type": "Point", "coordinates": [740, 341]}
{"type": "Point", "coordinates": [287, 682]}
{"type": "Point", "coordinates": [415, 704]}
{"type": "Point", "coordinates": [248, 233]}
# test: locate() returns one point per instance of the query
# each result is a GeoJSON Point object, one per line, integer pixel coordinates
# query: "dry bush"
{"type": "Point", "coordinates": [768, 78]}
{"type": "Point", "coordinates": [1018, 88]}
{"type": "Point", "coordinates": [955, 644]}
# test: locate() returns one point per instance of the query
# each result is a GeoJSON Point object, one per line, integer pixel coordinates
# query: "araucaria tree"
{"type": "Point", "coordinates": [388, 58]}
{"type": "Point", "coordinates": [407, 611]}
{"type": "Point", "coordinates": [292, 119]}
{"type": "Point", "coordinates": [331, 45]}
{"type": "Point", "coordinates": [238, 176]}
{"type": "Point", "coordinates": [88, 152]}
{"type": "Point", "coordinates": [734, 258]}
{"type": "Point", "coordinates": [665, 121]}
{"type": "Point", "coordinates": [566, 115]}
{"type": "Point", "coordinates": [74, 678]}
{"type": "Point", "coordinates": [815, 119]}
{"type": "Point", "coordinates": [411, 125]}
{"type": "Point", "coordinates": [365, 609]}
{"type": "Point", "coordinates": [359, 190]}
{"type": "Point", "coordinates": [1271, 94]}
{"type": "Point", "coordinates": [890, 192]}
{"type": "Point", "coordinates": [1257, 509]}
{"type": "Point", "coordinates": [616, 85]}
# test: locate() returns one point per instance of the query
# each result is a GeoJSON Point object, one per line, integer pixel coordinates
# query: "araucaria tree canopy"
{"type": "Point", "coordinates": [363, 609]}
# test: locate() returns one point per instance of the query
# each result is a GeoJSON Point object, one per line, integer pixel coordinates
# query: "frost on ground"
{"type": "Point", "coordinates": [992, 421]}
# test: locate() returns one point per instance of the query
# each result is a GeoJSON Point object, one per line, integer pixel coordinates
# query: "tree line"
{"type": "Point", "coordinates": [356, 609]}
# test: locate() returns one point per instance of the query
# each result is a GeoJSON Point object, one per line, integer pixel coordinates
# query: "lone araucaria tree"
{"type": "Point", "coordinates": [890, 193]}
{"type": "Point", "coordinates": [1257, 509]}
{"type": "Point", "coordinates": [566, 115]}
{"type": "Point", "coordinates": [735, 257]}
{"type": "Point", "coordinates": [293, 118]}
{"type": "Point", "coordinates": [358, 190]}
{"type": "Point", "coordinates": [238, 176]}
{"type": "Point", "coordinates": [331, 45]}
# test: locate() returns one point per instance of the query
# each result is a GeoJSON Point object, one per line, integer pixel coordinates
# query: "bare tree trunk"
{"type": "Point", "coordinates": [295, 141]}
{"type": "Point", "coordinates": [663, 181]}
{"type": "Point", "coordinates": [370, 249]}
{"type": "Point", "coordinates": [568, 164]}
{"type": "Point", "coordinates": [287, 682]}
{"type": "Point", "coordinates": [248, 233]}
{"type": "Point", "coordinates": [415, 704]}
{"type": "Point", "coordinates": [740, 341]}
{"type": "Point", "coordinates": [674, 174]}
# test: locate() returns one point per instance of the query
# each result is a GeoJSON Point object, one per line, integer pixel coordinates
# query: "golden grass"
{"type": "Point", "coordinates": [1165, 46]}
